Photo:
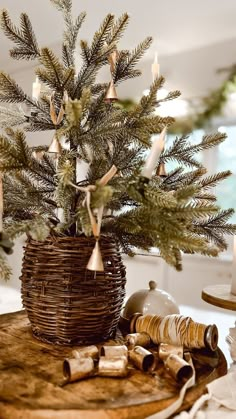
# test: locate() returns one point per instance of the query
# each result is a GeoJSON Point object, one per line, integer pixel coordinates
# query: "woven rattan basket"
{"type": "Point", "coordinates": [66, 303]}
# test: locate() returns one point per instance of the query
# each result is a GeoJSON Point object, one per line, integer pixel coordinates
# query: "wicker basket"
{"type": "Point", "coordinates": [67, 304]}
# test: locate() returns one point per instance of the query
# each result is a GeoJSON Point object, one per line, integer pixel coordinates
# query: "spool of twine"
{"type": "Point", "coordinates": [177, 330]}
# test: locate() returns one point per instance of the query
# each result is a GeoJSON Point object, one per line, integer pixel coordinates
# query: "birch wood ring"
{"type": "Point", "coordinates": [178, 368]}
{"type": "Point", "coordinates": [112, 367]}
{"type": "Point", "coordinates": [166, 349]}
{"type": "Point", "coordinates": [142, 358]}
{"type": "Point", "coordinates": [114, 351]}
{"type": "Point", "coordinates": [87, 351]}
{"type": "Point", "coordinates": [140, 339]}
{"type": "Point", "coordinates": [77, 369]}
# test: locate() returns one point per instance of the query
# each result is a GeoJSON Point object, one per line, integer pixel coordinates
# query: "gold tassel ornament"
{"type": "Point", "coordinates": [111, 95]}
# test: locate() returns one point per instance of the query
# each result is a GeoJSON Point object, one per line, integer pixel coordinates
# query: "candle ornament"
{"type": "Point", "coordinates": [153, 157]}
{"type": "Point", "coordinates": [36, 90]}
{"type": "Point", "coordinates": [155, 68]}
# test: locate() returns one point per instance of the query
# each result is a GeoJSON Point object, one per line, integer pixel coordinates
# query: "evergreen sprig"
{"type": "Point", "coordinates": [176, 214]}
{"type": "Point", "coordinates": [24, 37]}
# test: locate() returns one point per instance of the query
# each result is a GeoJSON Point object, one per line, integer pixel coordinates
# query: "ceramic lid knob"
{"type": "Point", "coordinates": [152, 285]}
{"type": "Point", "coordinates": [150, 301]}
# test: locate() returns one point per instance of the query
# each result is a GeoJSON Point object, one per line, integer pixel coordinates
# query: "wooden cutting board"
{"type": "Point", "coordinates": [31, 378]}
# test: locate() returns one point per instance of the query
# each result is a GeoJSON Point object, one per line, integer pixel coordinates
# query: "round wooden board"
{"type": "Point", "coordinates": [31, 378]}
{"type": "Point", "coordinates": [220, 296]}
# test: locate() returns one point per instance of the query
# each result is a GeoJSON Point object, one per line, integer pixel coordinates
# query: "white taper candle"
{"type": "Point", "coordinates": [233, 284]}
{"type": "Point", "coordinates": [151, 162]}
{"type": "Point", "coordinates": [155, 67]}
{"type": "Point", "coordinates": [36, 89]}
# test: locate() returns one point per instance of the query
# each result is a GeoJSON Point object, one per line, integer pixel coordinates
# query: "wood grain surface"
{"type": "Point", "coordinates": [31, 382]}
{"type": "Point", "coordinates": [219, 295]}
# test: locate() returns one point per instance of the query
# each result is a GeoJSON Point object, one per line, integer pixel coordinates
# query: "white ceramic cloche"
{"type": "Point", "coordinates": [151, 301]}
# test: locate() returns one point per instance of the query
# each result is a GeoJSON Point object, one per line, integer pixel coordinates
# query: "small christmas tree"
{"type": "Point", "coordinates": [120, 195]}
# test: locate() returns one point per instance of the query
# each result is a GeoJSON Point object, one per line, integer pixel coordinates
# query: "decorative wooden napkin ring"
{"type": "Point", "coordinates": [114, 351]}
{"type": "Point", "coordinates": [113, 367]}
{"type": "Point", "coordinates": [142, 358]}
{"type": "Point", "coordinates": [87, 351]}
{"type": "Point", "coordinates": [138, 339]}
{"type": "Point", "coordinates": [77, 369]}
{"type": "Point", "coordinates": [178, 368]}
{"type": "Point", "coordinates": [166, 349]}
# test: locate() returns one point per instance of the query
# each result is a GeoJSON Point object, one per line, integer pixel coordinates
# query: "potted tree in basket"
{"type": "Point", "coordinates": [73, 278]}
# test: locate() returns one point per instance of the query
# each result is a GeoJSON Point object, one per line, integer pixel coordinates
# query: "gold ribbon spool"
{"type": "Point", "coordinates": [187, 332]}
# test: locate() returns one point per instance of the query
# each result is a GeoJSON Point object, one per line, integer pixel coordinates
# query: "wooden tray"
{"type": "Point", "coordinates": [31, 377]}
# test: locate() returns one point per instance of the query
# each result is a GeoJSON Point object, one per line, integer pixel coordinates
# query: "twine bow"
{"type": "Point", "coordinates": [111, 94]}
{"type": "Point", "coordinates": [57, 118]}
{"type": "Point", "coordinates": [95, 263]}
{"type": "Point", "coordinates": [113, 57]}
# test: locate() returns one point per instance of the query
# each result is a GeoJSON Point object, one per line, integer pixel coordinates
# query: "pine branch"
{"type": "Point", "coordinates": [124, 68]}
{"type": "Point", "coordinates": [10, 92]}
{"type": "Point", "coordinates": [11, 116]}
{"type": "Point", "coordinates": [118, 29]}
{"type": "Point", "coordinates": [213, 180]}
{"type": "Point", "coordinates": [23, 37]}
{"type": "Point", "coordinates": [100, 37]}
{"type": "Point", "coordinates": [53, 67]}
{"type": "Point", "coordinates": [5, 270]}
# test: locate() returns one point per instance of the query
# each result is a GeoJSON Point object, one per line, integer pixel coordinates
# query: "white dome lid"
{"type": "Point", "coordinates": [150, 301]}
